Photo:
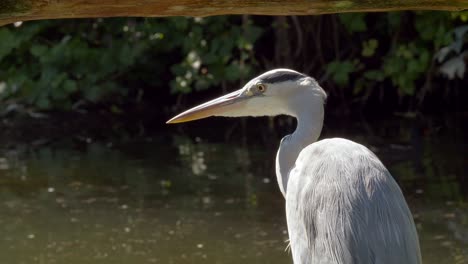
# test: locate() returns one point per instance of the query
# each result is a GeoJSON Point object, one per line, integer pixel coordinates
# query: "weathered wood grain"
{"type": "Point", "coordinates": [22, 10]}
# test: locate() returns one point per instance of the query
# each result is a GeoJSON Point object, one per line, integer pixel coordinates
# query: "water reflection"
{"type": "Point", "coordinates": [190, 201]}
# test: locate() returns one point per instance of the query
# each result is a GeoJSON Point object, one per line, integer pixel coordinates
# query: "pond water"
{"type": "Point", "coordinates": [183, 198]}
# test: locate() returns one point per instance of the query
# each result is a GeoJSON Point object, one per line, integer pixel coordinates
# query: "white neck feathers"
{"type": "Point", "coordinates": [309, 117]}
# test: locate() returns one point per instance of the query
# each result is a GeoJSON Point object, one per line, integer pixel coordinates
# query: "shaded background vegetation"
{"type": "Point", "coordinates": [367, 62]}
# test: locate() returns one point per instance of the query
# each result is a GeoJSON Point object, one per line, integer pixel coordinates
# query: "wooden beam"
{"type": "Point", "coordinates": [22, 10]}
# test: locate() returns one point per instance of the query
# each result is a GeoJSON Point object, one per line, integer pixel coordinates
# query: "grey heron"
{"type": "Point", "coordinates": [342, 204]}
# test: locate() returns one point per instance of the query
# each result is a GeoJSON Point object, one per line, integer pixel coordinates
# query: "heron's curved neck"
{"type": "Point", "coordinates": [309, 126]}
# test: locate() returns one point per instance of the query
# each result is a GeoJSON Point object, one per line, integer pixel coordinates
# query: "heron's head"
{"type": "Point", "coordinates": [276, 92]}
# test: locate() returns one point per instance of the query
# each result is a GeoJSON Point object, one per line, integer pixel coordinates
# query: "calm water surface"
{"type": "Point", "coordinates": [171, 199]}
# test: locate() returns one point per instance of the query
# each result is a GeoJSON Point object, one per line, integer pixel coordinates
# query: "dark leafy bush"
{"type": "Point", "coordinates": [70, 64]}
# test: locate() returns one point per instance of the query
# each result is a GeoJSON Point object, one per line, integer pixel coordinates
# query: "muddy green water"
{"type": "Point", "coordinates": [170, 199]}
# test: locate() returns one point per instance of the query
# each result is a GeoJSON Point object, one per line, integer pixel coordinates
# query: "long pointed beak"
{"type": "Point", "coordinates": [217, 107]}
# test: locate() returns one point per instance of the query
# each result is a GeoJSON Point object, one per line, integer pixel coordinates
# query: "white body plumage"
{"type": "Point", "coordinates": [343, 206]}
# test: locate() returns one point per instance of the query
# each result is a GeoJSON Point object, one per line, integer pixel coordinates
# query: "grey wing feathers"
{"type": "Point", "coordinates": [345, 207]}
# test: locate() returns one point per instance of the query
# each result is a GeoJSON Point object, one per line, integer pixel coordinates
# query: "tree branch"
{"type": "Point", "coordinates": [22, 10]}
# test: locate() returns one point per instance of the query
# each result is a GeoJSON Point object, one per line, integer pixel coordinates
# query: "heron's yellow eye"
{"type": "Point", "coordinates": [261, 87]}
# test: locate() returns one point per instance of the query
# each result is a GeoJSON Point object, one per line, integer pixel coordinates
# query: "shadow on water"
{"type": "Point", "coordinates": [189, 199]}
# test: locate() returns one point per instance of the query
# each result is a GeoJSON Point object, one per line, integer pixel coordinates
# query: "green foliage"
{"type": "Point", "coordinates": [73, 63]}
{"type": "Point", "coordinates": [209, 50]}
{"type": "Point", "coordinates": [340, 71]}
{"type": "Point", "coordinates": [50, 72]}
{"type": "Point", "coordinates": [405, 66]}
{"type": "Point", "coordinates": [354, 22]}
{"type": "Point", "coordinates": [59, 64]}
{"type": "Point", "coordinates": [406, 60]}
{"type": "Point", "coordinates": [369, 47]}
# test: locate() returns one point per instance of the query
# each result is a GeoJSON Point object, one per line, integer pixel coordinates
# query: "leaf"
{"type": "Point", "coordinates": [369, 47]}
{"type": "Point", "coordinates": [376, 75]}
{"type": "Point", "coordinates": [354, 22]}
{"type": "Point", "coordinates": [232, 72]}
{"type": "Point", "coordinates": [7, 43]}
{"type": "Point", "coordinates": [340, 71]}
{"type": "Point", "coordinates": [70, 86]}
{"type": "Point", "coordinates": [38, 50]}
